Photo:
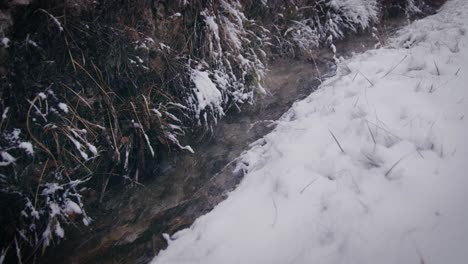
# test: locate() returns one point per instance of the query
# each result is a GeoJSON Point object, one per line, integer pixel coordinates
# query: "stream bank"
{"type": "Point", "coordinates": [130, 224]}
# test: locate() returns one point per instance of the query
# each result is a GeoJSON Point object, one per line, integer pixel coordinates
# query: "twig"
{"type": "Point", "coordinates": [54, 19]}
{"type": "Point", "coordinates": [78, 160]}
{"type": "Point", "coordinates": [276, 212]}
{"type": "Point", "coordinates": [336, 140]}
{"type": "Point", "coordinates": [116, 148]}
{"type": "Point", "coordinates": [93, 79]}
{"type": "Point", "coordinates": [40, 181]}
{"type": "Point", "coordinates": [384, 129]}
{"type": "Point", "coordinates": [420, 154]}
{"type": "Point", "coordinates": [370, 131]}
{"type": "Point", "coordinates": [142, 130]}
{"type": "Point", "coordinates": [395, 164]}
{"type": "Point", "coordinates": [28, 127]}
{"type": "Point", "coordinates": [418, 87]}
{"type": "Point", "coordinates": [371, 83]}
{"type": "Point", "coordinates": [104, 187]}
{"type": "Point", "coordinates": [18, 251]}
{"type": "Point", "coordinates": [437, 68]}
{"type": "Point", "coordinates": [355, 75]}
{"type": "Point", "coordinates": [70, 54]}
{"type": "Point", "coordinates": [307, 186]}
{"type": "Point", "coordinates": [394, 67]}
{"type": "Point", "coordinates": [79, 96]}
{"type": "Point", "coordinates": [371, 160]}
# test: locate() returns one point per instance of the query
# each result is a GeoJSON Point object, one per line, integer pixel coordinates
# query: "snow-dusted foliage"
{"type": "Point", "coordinates": [101, 98]}
{"type": "Point", "coordinates": [43, 191]}
{"type": "Point", "coordinates": [350, 15]}
{"type": "Point", "coordinates": [207, 95]}
{"type": "Point", "coordinates": [230, 67]}
{"type": "Point", "coordinates": [301, 26]}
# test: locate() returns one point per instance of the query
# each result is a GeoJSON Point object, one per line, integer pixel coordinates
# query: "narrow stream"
{"type": "Point", "coordinates": [130, 225]}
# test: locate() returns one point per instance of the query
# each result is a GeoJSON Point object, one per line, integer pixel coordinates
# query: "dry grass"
{"type": "Point", "coordinates": [336, 141]}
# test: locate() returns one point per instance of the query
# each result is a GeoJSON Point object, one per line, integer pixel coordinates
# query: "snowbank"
{"type": "Point", "coordinates": [369, 169]}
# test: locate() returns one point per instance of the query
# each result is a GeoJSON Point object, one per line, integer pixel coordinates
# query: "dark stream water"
{"type": "Point", "coordinates": [130, 225]}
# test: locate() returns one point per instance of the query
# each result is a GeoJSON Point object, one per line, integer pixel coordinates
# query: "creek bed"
{"type": "Point", "coordinates": [130, 224]}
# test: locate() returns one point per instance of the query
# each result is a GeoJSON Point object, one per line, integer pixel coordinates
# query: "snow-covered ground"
{"type": "Point", "coordinates": [371, 168]}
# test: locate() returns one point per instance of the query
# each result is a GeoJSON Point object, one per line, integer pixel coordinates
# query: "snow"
{"type": "Point", "coordinates": [156, 112]}
{"type": "Point", "coordinates": [54, 20]}
{"type": "Point", "coordinates": [51, 188]}
{"type": "Point", "coordinates": [15, 134]}
{"type": "Point", "coordinates": [63, 107]}
{"type": "Point", "coordinates": [78, 147]}
{"type": "Point", "coordinates": [5, 42]}
{"type": "Point", "coordinates": [59, 231]}
{"type": "Point", "coordinates": [207, 95]}
{"type": "Point", "coordinates": [164, 47]}
{"type": "Point", "coordinates": [214, 29]}
{"type": "Point", "coordinates": [356, 11]}
{"type": "Point", "coordinates": [148, 143]}
{"type": "Point", "coordinates": [173, 117]}
{"type": "Point", "coordinates": [3, 255]}
{"type": "Point", "coordinates": [28, 147]}
{"type": "Point", "coordinates": [5, 113]}
{"type": "Point", "coordinates": [174, 140]}
{"type": "Point", "coordinates": [92, 149]}
{"type": "Point", "coordinates": [42, 95]}
{"type": "Point", "coordinates": [210, 22]}
{"type": "Point", "coordinates": [54, 209]}
{"type": "Point", "coordinates": [72, 208]}
{"type": "Point", "coordinates": [33, 212]}
{"type": "Point", "coordinates": [33, 43]}
{"type": "Point", "coordinates": [86, 221]}
{"type": "Point", "coordinates": [306, 37]}
{"type": "Point", "coordinates": [46, 235]}
{"type": "Point", "coordinates": [371, 168]}
{"type": "Point", "coordinates": [233, 28]}
{"type": "Point", "coordinates": [7, 159]}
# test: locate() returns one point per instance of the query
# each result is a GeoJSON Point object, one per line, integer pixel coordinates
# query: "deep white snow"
{"type": "Point", "coordinates": [371, 168]}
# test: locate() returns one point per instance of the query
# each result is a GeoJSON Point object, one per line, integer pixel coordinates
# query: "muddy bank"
{"type": "Point", "coordinates": [129, 224]}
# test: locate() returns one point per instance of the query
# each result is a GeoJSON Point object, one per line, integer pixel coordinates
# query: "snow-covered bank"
{"type": "Point", "coordinates": [372, 168]}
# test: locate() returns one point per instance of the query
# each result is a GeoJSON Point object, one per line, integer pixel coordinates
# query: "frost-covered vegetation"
{"type": "Point", "coordinates": [92, 93]}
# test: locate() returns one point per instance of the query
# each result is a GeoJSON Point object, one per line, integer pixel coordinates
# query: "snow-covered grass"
{"type": "Point", "coordinates": [109, 102]}
{"type": "Point", "coordinates": [206, 93]}
{"type": "Point", "coordinates": [371, 168]}
{"type": "Point", "coordinates": [301, 26]}
{"type": "Point", "coordinates": [232, 68]}
{"type": "Point", "coordinates": [314, 23]}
